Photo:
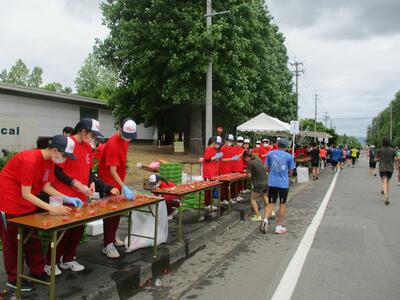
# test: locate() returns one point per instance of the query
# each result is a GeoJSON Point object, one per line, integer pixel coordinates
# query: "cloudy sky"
{"type": "Point", "coordinates": [350, 49]}
{"type": "Point", "coordinates": [351, 56]}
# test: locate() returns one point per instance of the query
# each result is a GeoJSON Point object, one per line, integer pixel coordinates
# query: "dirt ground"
{"type": "Point", "coordinates": [146, 154]}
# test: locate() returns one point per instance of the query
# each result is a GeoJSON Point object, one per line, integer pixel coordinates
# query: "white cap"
{"type": "Point", "coordinates": [246, 141]}
{"type": "Point", "coordinates": [128, 127]}
{"type": "Point", "coordinates": [218, 140]}
{"type": "Point", "coordinates": [258, 142]}
{"type": "Point", "coordinates": [153, 178]}
{"type": "Point", "coordinates": [239, 139]}
{"type": "Point", "coordinates": [230, 137]}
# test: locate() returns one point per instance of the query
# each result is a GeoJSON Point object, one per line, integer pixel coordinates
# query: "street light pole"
{"type": "Point", "coordinates": [209, 109]}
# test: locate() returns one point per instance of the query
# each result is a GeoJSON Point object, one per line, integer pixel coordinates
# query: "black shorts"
{"type": "Point", "coordinates": [334, 163]}
{"type": "Point", "coordinates": [314, 163]}
{"type": "Point", "coordinates": [260, 189]}
{"type": "Point", "coordinates": [372, 164]}
{"type": "Point", "coordinates": [386, 174]}
{"type": "Point", "coordinates": [274, 193]}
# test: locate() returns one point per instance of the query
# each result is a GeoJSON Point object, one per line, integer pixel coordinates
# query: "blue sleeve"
{"type": "Point", "coordinates": [292, 165]}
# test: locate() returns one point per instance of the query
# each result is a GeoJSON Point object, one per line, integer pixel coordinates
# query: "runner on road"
{"type": "Point", "coordinates": [315, 157]}
{"type": "Point", "coordinates": [372, 161]}
{"type": "Point", "coordinates": [280, 165]}
{"type": "Point", "coordinates": [354, 155]}
{"type": "Point", "coordinates": [259, 180]}
{"type": "Point", "coordinates": [386, 157]}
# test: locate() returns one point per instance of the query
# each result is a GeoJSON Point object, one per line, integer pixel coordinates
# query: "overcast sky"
{"type": "Point", "coordinates": [350, 49]}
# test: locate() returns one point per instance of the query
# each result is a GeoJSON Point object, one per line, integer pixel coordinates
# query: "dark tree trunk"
{"type": "Point", "coordinates": [196, 143]}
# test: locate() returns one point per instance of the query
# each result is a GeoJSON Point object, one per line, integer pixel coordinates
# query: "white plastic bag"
{"type": "Point", "coordinates": [302, 174]}
{"type": "Point", "coordinates": [143, 224]}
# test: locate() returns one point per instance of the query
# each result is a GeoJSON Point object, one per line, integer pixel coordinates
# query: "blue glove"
{"type": "Point", "coordinates": [236, 157]}
{"type": "Point", "coordinates": [73, 200]}
{"type": "Point", "coordinates": [218, 155]}
{"type": "Point", "coordinates": [130, 195]}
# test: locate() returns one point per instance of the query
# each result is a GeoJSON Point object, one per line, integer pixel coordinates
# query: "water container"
{"type": "Point", "coordinates": [302, 174]}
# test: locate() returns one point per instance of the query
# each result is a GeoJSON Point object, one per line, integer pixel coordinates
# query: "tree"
{"type": "Point", "coordinates": [161, 50]}
{"type": "Point", "coordinates": [380, 125]}
{"type": "Point", "coordinates": [308, 125]}
{"type": "Point", "coordinates": [96, 80]}
{"type": "Point", "coordinates": [57, 87]}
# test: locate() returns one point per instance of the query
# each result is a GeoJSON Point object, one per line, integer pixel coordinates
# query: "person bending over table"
{"type": "Point", "coordinates": [172, 202]}
{"type": "Point", "coordinates": [22, 178]}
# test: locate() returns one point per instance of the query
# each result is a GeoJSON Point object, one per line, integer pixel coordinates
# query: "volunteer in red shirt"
{"type": "Point", "coordinates": [260, 151]}
{"type": "Point", "coordinates": [211, 159]}
{"type": "Point", "coordinates": [323, 153]}
{"type": "Point", "coordinates": [73, 177]}
{"type": "Point", "coordinates": [266, 145]}
{"type": "Point", "coordinates": [22, 178]}
{"type": "Point", "coordinates": [225, 166]}
{"type": "Point", "coordinates": [172, 202]}
{"type": "Point", "coordinates": [112, 170]}
{"type": "Point", "coordinates": [237, 166]}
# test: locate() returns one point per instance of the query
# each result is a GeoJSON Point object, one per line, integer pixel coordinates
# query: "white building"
{"type": "Point", "coordinates": [27, 113]}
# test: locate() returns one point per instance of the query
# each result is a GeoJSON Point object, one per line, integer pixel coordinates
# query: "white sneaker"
{"type": "Point", "coordinates": [170, 217]}
{"type": "Point", "coordinates": [233, 201]}
{"type": "Point", "coordinates": [225, 202]}
{"type": "Point", "coordinates": [280, 229]}
{"type": "Point", "coordinates": [246, 191]}
{"type": "Point", "coordinates": [118, 242]}
{"type": "Point", "coordinates": [110, 251]}
{"type": "Point", "coordinates": [208, 207]}
{"type": "Point", "coordinates": [72, 265]}
{"type": "Point", "coordinates": [264, 226]}
{"type": "Point", "coordinates": [47, 269]}
{"type": "Point", "coordinates": [239, 199]}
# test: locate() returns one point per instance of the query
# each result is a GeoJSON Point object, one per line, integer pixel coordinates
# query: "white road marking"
{"type": "Point", "coordinates": [289, 279]}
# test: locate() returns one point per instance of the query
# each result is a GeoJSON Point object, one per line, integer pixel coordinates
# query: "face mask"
{"type": "Point", "coordinates": [265, 144]}
{"type": "Point", "coordinates": [258, 146]}
{"type": "Point", "coordinates": [240, 144]}
{"type": "Point", "coordinates": [59, 160]}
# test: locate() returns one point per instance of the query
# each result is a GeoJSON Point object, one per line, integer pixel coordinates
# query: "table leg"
{"type": "Point", "coordinates": [219, 200]}
{"type": "Point", "coordinates": [180, 233]}
{"type": "Point", "coordinates": [129, 228]}
{"type": "Point", "coordinates": [53, 246]}
{"type": "Point", "coordinates": [229, 196]}
{"type": "Point", "coordinates": [155, 232]}
{"type": "Point", "coordinates": [20, 240]}
{"type": "Point", "coordinates": [200, 206]}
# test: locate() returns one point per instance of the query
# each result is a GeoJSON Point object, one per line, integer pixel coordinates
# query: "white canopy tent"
{"type": "Point", "coordinates": [265, 124]}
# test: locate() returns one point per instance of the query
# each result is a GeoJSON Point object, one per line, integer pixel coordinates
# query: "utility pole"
{"type": "Point", "coordinates": [326, 118]}
{"type": "Point", "coordinates": [209, 109]}
{"type": "Point", "coordinates": [316, 111]}
{"type": "Point", "coordinates": [209, 88]}
{"type": "Point", "coordinates": [297, 70]}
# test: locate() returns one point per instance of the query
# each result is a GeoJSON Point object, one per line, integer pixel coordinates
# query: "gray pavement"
{"type": "Point", "coordinates": [355, 254]}
{"type": "Point", "coordinates": [243, 263]}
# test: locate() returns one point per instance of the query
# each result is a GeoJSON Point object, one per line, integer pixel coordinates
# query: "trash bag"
{"type": "Point", "coordinates": [143, 224]}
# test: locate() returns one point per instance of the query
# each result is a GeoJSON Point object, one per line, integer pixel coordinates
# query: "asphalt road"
{"type": "Point", "coordinates": [355, 253]}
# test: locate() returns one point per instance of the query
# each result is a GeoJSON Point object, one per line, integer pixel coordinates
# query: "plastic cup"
{"type": "Point", "coordinates": [56, 201]}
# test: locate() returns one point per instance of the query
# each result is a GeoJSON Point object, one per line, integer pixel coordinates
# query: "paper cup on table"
{"type": "Point", "coordinates": [56, 201]}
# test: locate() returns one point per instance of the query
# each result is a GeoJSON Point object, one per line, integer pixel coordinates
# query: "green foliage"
{"type": "Point", "coordinates": [19, 74]}
{"type": "Point", "coordinates": [308, 125]}
{"type": "Point", "coordinates": [161, 50]}
{"type": "Point", "coordinates": [4, 159]}
{"type": "Point", "coordinates": [96, 80]}
{"type": "Point", "coordinates": [57, 87]}
{"type": "Point", "coordinates": [380, 125]}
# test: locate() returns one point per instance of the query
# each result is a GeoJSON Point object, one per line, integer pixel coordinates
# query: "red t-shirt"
{"type": "Point", "coordinates": [262, 153]}
{"type": "Point", "coordinates": [26, 168]}
{"type": "Point", "coordinates": [113, 154]}
{"type": "Point", "coordinates": [210, 169]}
{"type": "Point", "coordinates": [167, 185]}
{"type": "Point", "coordinates": [99, 150]}
{"type": "Point", "coordinates": [225, 167]}
{"type": "Point", "coordinates": [78, 169]}
{"type": "Point", "coordinates": [237, 166]}
{"type": "Point", "coordinates": [322, 153]}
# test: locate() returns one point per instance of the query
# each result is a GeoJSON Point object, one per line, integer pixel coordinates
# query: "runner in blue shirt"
{"type": "Point", "coordinates": [336, 156]}
{"type": "Point", "coordinates": [280, 165]}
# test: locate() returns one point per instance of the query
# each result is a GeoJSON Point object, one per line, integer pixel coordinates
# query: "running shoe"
{"type": "Point", "coordinates": [272, 215]}
{"type": "Point", "coordinates": [264, 226]}
{"type": "Point", "coordinates": [239, 199]}
{"type": "Point", "coordinates": [72, 265]}
{"type": "Point", "coordinates": [233, 200]}
{"type": "Point", "coordinates": [208, 207]}
{"type": "Point", "coordinates": [47, 269]}
{"type": "Point", "coordinates": [110, 251]}
{"type": "Point", "coordinates": [386, 200]}
{"type": "Point", "coordinates": [118, 242]}
{"type": "Point", "coordinates": [256, 219]}
{"type": "Point", "coordinates": [25, 286]}
{"type": "Point", "coordinates": [280, 229]}
{"type": "Point", "coordinates": [225, 202]}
